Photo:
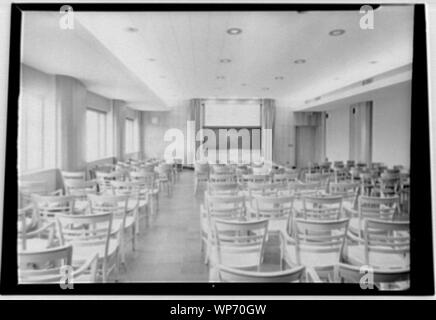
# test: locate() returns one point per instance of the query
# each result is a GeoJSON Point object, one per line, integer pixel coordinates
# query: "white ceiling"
{"type": "Point", "coordinates": [187, 47]}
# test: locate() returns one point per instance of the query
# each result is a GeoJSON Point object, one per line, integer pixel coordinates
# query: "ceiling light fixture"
{"type": "Point", "coordinates": [225, 60]}
{"type": "Point", "coordinates": [234, 31]}
{"type": "Point", "coordinates": [279, 78]}
{"type": "Point", "coordinates": [265, 89]}
{"type": "Point", "coordinates": [151, 59]}
{"type": "Point", "coordinates": [243, 84]}
{"type": "Point", "coordinates": [300, 61]}
{"type": "Point", "coordinates": [337, 32]}
{"type": "Point", "coordinates": [220, 77]}
{"type": "Point", "coordinates": [373, 62]}
{"type": "Point", "coordinates": [132, 29]}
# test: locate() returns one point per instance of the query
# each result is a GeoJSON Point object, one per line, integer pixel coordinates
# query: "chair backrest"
{"type": "Point", "coordinates": [146, 178]}
{"type": "Point", "coordinates": [91, 230]}
{"type": "Point", "coordinates": [222, 188]}
{"type": "Point", "coordinates": [353, 274]}
{"type": "Point", "coordinates": [238, 238]}
{"type": "Point", "coordinates": [322, 207]}
{"type": "Point", "coordinates": [341, 174]}
{"type": "Point", "coordinates": [390, 183]}
{"type": "Point", "coordinates": [225, 207]}
{"type": "Point", "coordinates": [273, 207]}
{"type": "Point", "coordinates": [345, 189]}
{"type": "Point", "coordinates": [117, 205]}
{"type": "Point", "coordinates": [319, 237]}
{"type": "Point", "coordinates": [222, 178]}
{"type": "Point", "coordinates": [104, 179]}
{"type": "Point", "coordinates": [265, 188]}
{"type": "Point", "coordinates": [202, 168]}
{"type": "Point", "coordinates": [43, 266]}
{"type": "Point", "coordinates": [47, 207]}
{"type": "Point", "coordinates": [79, 188]}
{"type": "Point", "coordinates": [228, 274]}
{"type": "Point", "coordinates": [298, 189]}
{"type": "Point", "coordinates": [338, 164]}
{"type": "Point", "coordinates": [378, 208]}
{"type": "Point", "coordinates": [285, 178]}
{"type": "Point", "coordinates": [387, 238]}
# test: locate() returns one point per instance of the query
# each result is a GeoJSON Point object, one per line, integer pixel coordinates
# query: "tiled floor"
{"type": "Point", "coordinates": [169, 249]}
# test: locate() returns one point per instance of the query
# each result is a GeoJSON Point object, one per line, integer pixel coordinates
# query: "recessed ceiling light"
{"type": "Point", "coordinates": [243, 84]}
{"type": "Point", "coordinates": [225, 60]}
{"type": "Point", "coordinates": [220, 77]}
{"type": "Point", "coordinates": [132, 29]}
{"type": "Point", "coordinates": [151, 59]}
{"type": "Point", "coordinates": [279, 78]}
{"type": "Point", "coordinates": [234, 31]}
{"type": "Point", "coordinates": [337, 32]}
{"type": "Point", "coordinates": [300, 61]}
{"type": "Point", "coordinates": [265, 89]}
{"type": "Point", "coordinates": [373, 62]}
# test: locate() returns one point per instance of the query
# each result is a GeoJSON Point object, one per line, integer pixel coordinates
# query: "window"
{"type": "Point", "coordinates": [97, 137]}
{"type": "Point", "coordinates": [132, 136]}
{"type": "Point", "coordinates": [37, 134]}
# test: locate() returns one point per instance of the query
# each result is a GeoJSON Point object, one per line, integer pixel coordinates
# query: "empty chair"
{"type": "Point", "coordinates": [165, 177]}
{"type": "Point", "coordinates": [296, 274]}
{"type": "Point", "coordinates": [299, 189]}
{"type": "Point", "coordinates": [47, 207]}
{"type": "Point", "coordinates": [318, 244]}
{"type": "Point", "coordinates": [389, 184]}
{"type": "Point", "coordinates": [350, 164]}
{"type": "Point", "coordinates": [348, 190]}
{"type": "Point", "coordinates": [223, 207]}
{"type": "Point", "coordinates": [138, 198]}
{"type": "Point", "coordinates": [73, 176]}
{"type": "Point", "coordinates": [256, 188]}
{"type": "Point", "coordinates": [75, 230]}
{"type": "Point", "coordinates": [48, 266]}
{"type": "Point", "coordinates": [367, 181]}
{"type": "Point", "coordinates": [237, 244]}
{"type": "Point", "coordinates": [321, 207]}
{"type": "Point", "coordinates": [385, 245]}
{"type": "Point", "coordinates": [124, 213]}
{"type": "Point", "coordinates": [341, 174]}
{"type": "Point", "coordinates": [201, 175]}
{"type": "Point", "coordinates": [80, 189]}
{"type": "Point", "coordinates": [383, 279]}
{"type": "Point", "coordinates": [148, 184]}
{"type": "Point", "coordinates": [104, 179]}
{"type": "Point", "coordinates": [277, 209]}
{"type": "Point", "coordinates": [372, 208]}
{"type": "Point", "coordinates": [285, 178]}
{"type": "Point", "coordinates": [338, 164]}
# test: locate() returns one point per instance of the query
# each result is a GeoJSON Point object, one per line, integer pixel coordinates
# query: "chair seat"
{"type": "Point", "coordinates": [310, 259]}
{"type": "Point", "coordinates": [83, 253]}
{"type": "Point", "coordinates": [234, 259]}
{"type": "Point", "coordinates": [355, 255]}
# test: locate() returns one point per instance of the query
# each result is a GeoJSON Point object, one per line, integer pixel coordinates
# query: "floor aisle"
{"type": "Point", "coordinates": [169, 249]}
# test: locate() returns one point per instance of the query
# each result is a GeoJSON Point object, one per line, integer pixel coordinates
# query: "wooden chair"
{"type": "Point", "coordinates": [315, 243]}
{"type": "Point", "coordinates": [372, 208]}
{"type": "Point", "coordinates": [165, 177]}
{"type": "Point", "coordinates": [47, 266]}
{"type": "Point", "coordinates": [223, 207]}
{"type": "Point", "coordinates": [299, 189]}
{"type": "Point", "coordinates": [148, 181]}
{"type": "Point", "coordinates": [296, 274]}
{"type": "Point", "coordinates": [90, 235]}
{"type": "Point", "coordinates": [222, 178]}
{"type": "Point", "coordinates": [341, 175]}
{"type": "Point", "coordinates": [80, 189]}
{"type": "Point", "coordinates": [222, 189]}
{"type": "Point", "coordinates": [383, 279]}
{"type": "Point", "coordinates": [73, 176]}
{"type": "Point", "coordinates": [285, 178]}
{"type": "Point", "coordinates": [237, 244]}
{"type": "Point", "coordinates": [277, 209]}
{"type": "Point", "coordinates": [389, 184]}
{"type": "Point", "coordinates": [385, 245]}
{"type": "Point", "coordinates": [348, 190]}
{"type": "Point", "coordinates": [47, 207]}
{"type": "Point", "coordinates": [201, 175]}
{"type": "Point", "coordinates": [104, 179]}
{"type": "Point", "coordinates": [124, 217]}
{"type": "Point", "coordinates": [138, 198]}
{"type": "Point", "coordinates": [34, 234]}
{"type": "Point", "coordinates": [256, 188]}
{"type": "Point", "coordinates": [321, 207]}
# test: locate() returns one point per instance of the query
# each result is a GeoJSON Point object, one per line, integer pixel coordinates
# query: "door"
{"type": "Point", "coordinates": [361, 132]}
{"type": "Point", "coordinates": [305, 145]}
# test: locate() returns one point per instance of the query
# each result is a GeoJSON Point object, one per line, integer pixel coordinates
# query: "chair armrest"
{"type": "Point", "coordinates": [40, 230]}
{"type": "Point", "coordinates": [312, 276]}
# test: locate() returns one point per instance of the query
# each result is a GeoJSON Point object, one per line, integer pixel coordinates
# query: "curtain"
{"type": "Point", "coordinates": [197, 116]}
{"type": "Point", "coordinates": [268, 117]}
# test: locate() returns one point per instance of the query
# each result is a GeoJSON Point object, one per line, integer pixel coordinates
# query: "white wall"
{"type": "Point", "coordinates": [338, 134]}
{"type": "Point", "coordinates": [390, 128]}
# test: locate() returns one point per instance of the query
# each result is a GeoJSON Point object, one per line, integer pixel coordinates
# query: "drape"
{"type": "Point", "coordinates": [197, 116]}
{"type": "Point", "coordinates": [268, 118]}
